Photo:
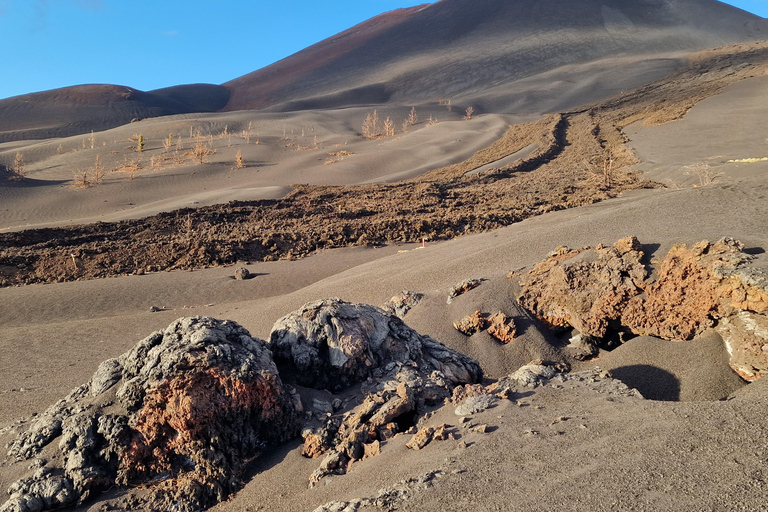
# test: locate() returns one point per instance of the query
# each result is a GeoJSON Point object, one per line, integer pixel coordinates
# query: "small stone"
{"type": "Point", "coordinates": [475, 405]}
{"type": "Point", "coordinates": [532, 374]}
{"type": "Point", "coordinates": [313, 446]}
{"type": "Point", "coordinates": [502, 328]}
{"type": "Point", "coordinates": [461, 393]}
{"type": "Point", "coordinates": [471, 324]}
{"type": "Point", "coordinates": [371, 450]}
{"type": "Point", "coordinates": [400, 304]}
{"type": "Point", "coordinates": [242, 273]}
{"type": "Point", "coordinates": [322, 406]}
{"type": "Point", "coordinates": [421, 439]}
{"type": "Point", "coordinates": [462, 444]}
{"type": "Point", "coordinates": [481, 429]}
{"type": "Point", "coordinates": [154, 309]}
{"type": "Point", "coordinates": [463, 287]}
{"type": "Point", "coordinates": [440, 433]}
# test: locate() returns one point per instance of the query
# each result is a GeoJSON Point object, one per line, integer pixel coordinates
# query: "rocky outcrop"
{"type": "Point", "coordinates": [585, 289]}
{"type": "Point", "coordinates": [695, 288]}
{"type": "Point", "coordinates": [395, 397]}
{"type": "Point", "coordinates": [334, 344]}
{"type": "Point", "coordinates": [181, 413]}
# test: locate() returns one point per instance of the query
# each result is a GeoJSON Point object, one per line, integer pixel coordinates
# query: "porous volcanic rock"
{"type": "Point", "coordinates": [696, 286]}
{"type": "Point", "coordinates": [585, 288]}
{"type": "Point", "coordinates": [182, 413]}
{"type": "Point", "coordinates": [332, 344]}
{"type": "Point", "coordinates": [471, 324]}
{"type": "Point", "coordinates": [502, 328]}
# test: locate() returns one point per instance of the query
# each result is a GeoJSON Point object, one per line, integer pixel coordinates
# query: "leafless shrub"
{"type": "Point", "coordinates": [239, 161]}
{"type": "Point", "coordinates": [413, 117]}
{"type": "Point", "coordinates": [406, 125]}
{"type": "Point", "coordinates": [431, 121]}
{"type": "Point", "coordinates": [705, 173]}
{"type": "Point", "coordinates": [336, 157]}
{"type": "Point", "coordinates": [17, 169]}
{"type": "Point", "coordinates": [468, 113]}
{"type": "Point", "coordinates": [389, 127]}
{"type": "Point", "coordinates": [202, 150]}
{"type": "Point", "coordinates": [130, 168]}
{"type": "Point", "coordinates": [98, 170]}
{"type": "Point", "coordinates": [607, 171]}
{"type": "Point", "coordinates": [81, 180]}
{"type": "Point", "coordinates": [371, 128]}
{"type": "Point", "coordinates": [168, 143]}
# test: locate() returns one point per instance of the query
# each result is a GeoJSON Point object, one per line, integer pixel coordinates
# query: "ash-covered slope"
{"type": "Point", "coordinates": [80, 109]}
{"type": "Point", "coordinates": [460, 47]}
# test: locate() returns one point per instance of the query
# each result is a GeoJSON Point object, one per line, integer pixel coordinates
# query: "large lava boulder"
{"type": "Point", "coordinates": [182, 413]}
{"type": "Point", "coordinates": [333, 344]}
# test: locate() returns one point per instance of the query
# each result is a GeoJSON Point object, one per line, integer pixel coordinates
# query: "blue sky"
{"type": "Point", "coordinates": [149, 44]}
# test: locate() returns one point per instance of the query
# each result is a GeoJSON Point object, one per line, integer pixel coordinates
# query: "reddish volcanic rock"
{"type": "Point", "coordinates": [502, 328]}
{"type": "Point", "coordinates": [181, 413]}
{"type": "Point", "coordinates": [696, 286]}
{"type": "Point", "coordinates": [585, 289]}
{"type": "Point", "coordinates": [471, 324]}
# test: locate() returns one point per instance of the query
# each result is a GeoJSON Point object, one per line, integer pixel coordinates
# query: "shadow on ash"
{"type": "Point", "coordinates": [176, 420]}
